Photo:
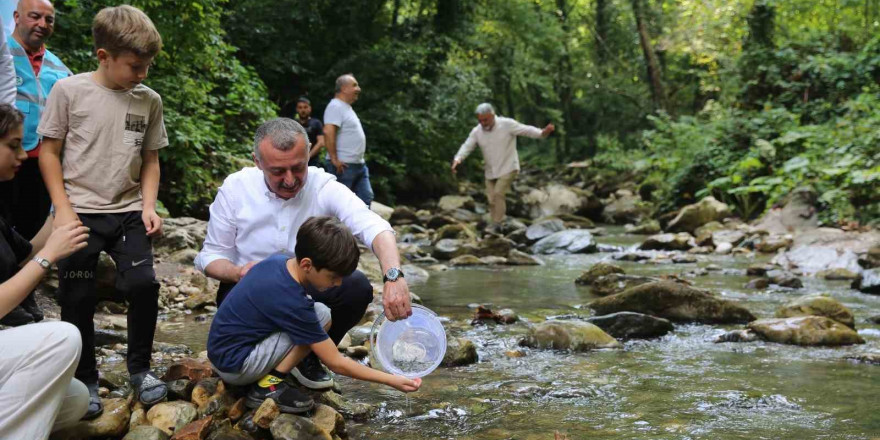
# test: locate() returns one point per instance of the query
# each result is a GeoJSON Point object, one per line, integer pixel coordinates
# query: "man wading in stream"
{"type": "Point", "coordinates": [257, 213]}
{"type": "Point", "coordinates": [496, 136]}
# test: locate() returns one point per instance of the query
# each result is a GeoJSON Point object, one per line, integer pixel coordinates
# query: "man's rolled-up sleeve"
{"type": "Point", "coordinates": [337, 200]}
{"type": "Point", "coordinates": [220, 240]}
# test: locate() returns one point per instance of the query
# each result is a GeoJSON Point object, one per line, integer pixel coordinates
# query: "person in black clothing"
{"type": "Point", "coordinates": [314, 130]}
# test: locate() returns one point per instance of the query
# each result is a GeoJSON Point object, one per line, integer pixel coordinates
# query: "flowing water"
{"type": "Point", "coordinates": [681, 386]}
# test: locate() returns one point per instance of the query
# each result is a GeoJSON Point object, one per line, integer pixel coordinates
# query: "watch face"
{"type": "Point", "coordinates": [393, 274]}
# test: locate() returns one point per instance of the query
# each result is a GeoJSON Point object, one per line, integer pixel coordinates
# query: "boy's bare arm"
{"type": "Point", "coordinates": [50, 167]}
{"type": "Point", "coordinates": [328, 353]}
{"type": "Point", "coordinates": [150, 190]}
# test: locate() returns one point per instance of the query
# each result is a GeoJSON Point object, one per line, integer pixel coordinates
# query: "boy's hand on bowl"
{"type": "Point", "coordinates": [406, 385]}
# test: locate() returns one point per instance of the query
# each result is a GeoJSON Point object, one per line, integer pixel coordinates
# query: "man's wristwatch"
{"type": "Point", "coordinates": [392, 275]}
{"type": "Point", "coordinates": [44, 263]}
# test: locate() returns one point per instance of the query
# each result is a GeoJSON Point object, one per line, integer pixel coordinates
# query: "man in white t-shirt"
{"type": "Point", "coordinates": [496, 137]}
{"type": "Point", "coordinates": [345, 140]}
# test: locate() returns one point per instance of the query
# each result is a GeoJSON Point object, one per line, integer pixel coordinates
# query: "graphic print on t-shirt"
{"type": "Point", "coordinates": [135, 127]}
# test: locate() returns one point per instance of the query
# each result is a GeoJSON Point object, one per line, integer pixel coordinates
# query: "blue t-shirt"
{"type": "Point", "coordinates": [268, 300]}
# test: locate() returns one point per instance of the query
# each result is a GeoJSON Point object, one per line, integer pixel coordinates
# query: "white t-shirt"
{"type": "Point", "coordinates": [351, 142]}
{"type": "Point", "coordinates": [498, 145]}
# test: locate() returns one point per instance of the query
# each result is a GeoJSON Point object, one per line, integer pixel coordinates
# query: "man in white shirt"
{"type": "Point", "coordinates": [345, 139]}
{"type": "Point", "coordinates": [496, 136]}
{"type": "Point", "coordinates": [257, 213]}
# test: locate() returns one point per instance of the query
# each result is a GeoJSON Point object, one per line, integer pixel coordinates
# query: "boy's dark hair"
{"type": "Point", "coordinates": [10, 117]}
{"type": "Point", "coordinates": [329, 244]}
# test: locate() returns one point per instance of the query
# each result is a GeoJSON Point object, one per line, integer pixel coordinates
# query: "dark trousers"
{"type": "Point", "coordinates": [347, 303]}
{"type": "Point", "coordinates": [26, 200]}
{"type": "Point", "coordinates": [124, 237]}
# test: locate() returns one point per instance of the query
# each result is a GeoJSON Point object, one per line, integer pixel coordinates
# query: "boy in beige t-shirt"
{"type": "Point", "coordinates": [109, 127]}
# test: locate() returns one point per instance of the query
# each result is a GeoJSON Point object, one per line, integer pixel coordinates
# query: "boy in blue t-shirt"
{"type": "Point", "coordinates": [268, 323]}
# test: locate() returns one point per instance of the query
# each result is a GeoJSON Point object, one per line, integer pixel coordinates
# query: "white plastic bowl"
{"type": "Point", "coordinates": [411, 347]}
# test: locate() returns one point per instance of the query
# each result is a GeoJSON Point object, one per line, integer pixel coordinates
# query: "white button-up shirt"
{"type": "Point", "coordinates": [249, 222]}
{"type": "Point", "coordinates": [498, 145]}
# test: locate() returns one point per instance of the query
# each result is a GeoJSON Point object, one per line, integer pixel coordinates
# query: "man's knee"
{"type": "Point", "coordinates": [359, 289]}
{"type": "Point", "coordinates": [62, 338]}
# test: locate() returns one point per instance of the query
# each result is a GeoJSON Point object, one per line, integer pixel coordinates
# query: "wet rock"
{"type": "Point", "coordinates": [723, 248]}
{"type": "Point", "coordinates": [146, 433]}
{"type": "Point", "coordinates": [544, 228]}
{"type": "Point", "coordinates": [571, 221]}
{"type": "Point", "coordinates": [732, 237]}
{"type": "Point", "coordinates": [112, 380]}
{"type": "Point", "coordinates": [459, 352]}
{"type": "Point", "coordinates": [227, 432]}
{"type": "Point", "coordinates": [519, 258]}
{"type": "Point", "coordinates": [206, 388]}
{"type": "Point", "coordinates": [217, 405]}
{"type": "Point", "coordinates": [759, 269]}
{"type": "Point", "coordinates": [384, 211]}
{"type": "Point", "coordinates": [615, 283]}
{"type": "Point", "coordinates": [786, 280]}
{"type": "Point", "coordinates": [404, 215]}
{"type": "Point", "coordinates": [238, 410]}
{"type": "Point", "coordinates": [493, 260]}
{"type": "Point", "coordinates": [197, 430]}
{"type": "Point", "coordinates": [357, 352]}
{"type": "Point", "coordinates": [632, 256]}
{"type": "Point", "coordinates": [438, 221]}
{"type": "Point", "coordinates": [827, 248]}
{"type": "Point", "coordinates": [738, 336]}
{"type": "Point", "coordinates": [701, 250]}
{"type": "Point", "coordinates": [684, 259]}
{"type": "Point", "coordinates": [703, 234]}
{"type": "Point", "coordinates": [491, 246]}
{"type": "Point", "coordinates": [629, 325]}
{"type": "Point", "coordinates": [625, 208]}
{"type": "Point", "coordinates": [189, 368]}
{"type": "Point", "coordinates": [865, 358]}
{"type": "Point", "coordinates": [555, 199]}
{"type": "Point", "coordinates": [112, 423]}
{"type": "Point", "coordinates": [446, 249]}
{"type": "Point", "coordinates": [106, 337]}
{"type": "Point", "coordinates": [758, 284]}
{"type": "Point", "coordinates": [837, 274]}
{"type": "Point", "coordinates": [569, 335]}
{"type": "Point", "coordinates": [291, 427]}
{"type": "Point", "coordinates": [465, 216]}
{"type": "Point", "coordinates": [466, 260]}
{"type": "Point", "coordinates": [868, 282]}
{"type": "Point", "coordinates": [515, 353]}
{"type": "Point", "coordinates": [414, 274]}
{"type": "Point", "coordinates": [456, 231]}
{"type": "Point", "coordinates": [871, 259]}
{"type": "Point", "coordinates": [360, 334]}
{"type": "Point", "coordinates": [668, 242]}
{"type": "Point", "coordinates": [648, 227]}
{"type": "Point", "coordinates": [453, 202]}
{"type": "Point", "coordinates": [266, 413]}
{"type": "Point", "coordinates": [805, 330]}
{"type": "Point", "coordinates": [773, 243]}
{"type": "Point", "coordinates": [574, 241]}
{"type": "Point", "coordinates": [359, 412]}
{"type": "Point", "coordinates": [597, 270]}
{"type": "Point", "coordinates": [506, 316]}
{"type": "Point", "coordinates": [180, 389]}
{"type": "Point", "coordinates": [798, 213]}
{"type": "Point", "coordinates": [874, 319]}
{"type": "Point", "coordinates": [138, 416]}
{"type": "Point", "coordinates": [171, 416]}
{"type": "Point", "coordinates": [328, 419]}
{"type": "Point", "coordinates": [817, 305]}
{"type": "Point", "coordinates": [693, 216]}
{"type": "Point", "coordinates": [673, 301]}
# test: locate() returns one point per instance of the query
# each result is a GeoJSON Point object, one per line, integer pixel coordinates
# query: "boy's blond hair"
{"type": "Point", "coordinates": [125, 28]}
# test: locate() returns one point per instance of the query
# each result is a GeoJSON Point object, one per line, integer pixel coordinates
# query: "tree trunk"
{"type": "Point", "coordinates": [655, 76]}
{"type": "Point", "coordinates": [563, 84]}
{"type": "Point", "coordinates": [601, 31]}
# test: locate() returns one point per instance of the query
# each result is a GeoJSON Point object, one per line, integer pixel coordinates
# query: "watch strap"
{"type": "Point", "coordinates": [44, 263]}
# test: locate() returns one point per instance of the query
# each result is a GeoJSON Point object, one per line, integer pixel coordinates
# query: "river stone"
{"type": "Point", "coordinates": [107, 337]}
{"type": "Point", "coordinates": [704, 233]}
{"type": "Point", "coordinates": [291, 427]}
{"type": "Point", "coordinates": [597, 270]}
{"type": "Point", "coordinates": [865, 358]}
{"type": "Point", "coordinates": [112, 380]}
{"type": "Point", "coordinates": [492, 260]}
{"type": "Point", "coordinates": [629, 325]}
{"type": "Point", "coordinates": [732, 237]}
{"type": "Point", "coordinates": [112, 423]}
{"type": "Point", "coordinates": [459, 352]}
{"type": "Point", "coordinates": [693, 216]}
{"type": "Point", "coordinates": [217, 405]}
{"type": "Point", "coordinates": [446, 249]}
{"type": "Point", "coordinates": [227, 432]}
{"type": "Point", "coordinates": [506, 316]}
{"type": "Point", "coordinates": [649, 227]}
{"type": "Point", "coordinates": [837, 274]}
{"type": "Point", "coordinates": [180, 389]}
{"type": "Point", "coordinates": [569, 335]}
{"type": "Point", "coordinates": [328, 419]}
{"type": "Point", "coordinates": [145, 432]}
{"type": "Point", "coordinates": [266, 413]}
{"type": "Point", "coordinates": [465, 216]}
{"type": "Point", "coordinates": [817, 305]}
{"type": "Point", "coordinates": [617, 282]}
{"type": "Point", "coordinates": [758, 283]}
{"type": "Point", "coordinates": [625, 208]}
{"type": "Point", "coordinates": [456, 231]}
{"type": "Point", "coordinates": [440, 220]}
{"type": "Point", "coordinates": [573, 241]}
{"type": "Point", "coordinates": [673, 301]}
{"type": "Point", "coordinates": [519, 258]}
{"type": "Point", "coordinates": [871, 259]}
{"type": "Point", "coordinates": [773, 243]}
{"type": "Point", "coordinates": [171, 416]}
{"type": "Point", "coordinates": [555, 199]}
{"type": "Point", "coordinates": [491, 246]}
{"type": "Point", "coordinates": [805, 330]}
{"type": "Point", "coordinates": [189, 368]}
{"type": "Point", "coordinates": [466, 260]}
{"type": "Point", "coordinates": [360, 334]}
{"type": "Point", "coordinates": [741, 335]}
{"type": "Point", "coordinates": [828, 248]}
{"type": "Point", "coordinates": [868, 282]}
{"type": "Point", "coordinates": [759, 269]}
{"type": "Point", "coordinates": [404, 215]}
{"type": "Point", "coordinates": [414, 274]}
{"type": "Point", "coordinates": [786, 280]}
{"type": "Point", "coordinates": [452, 202]}
{"type": "Point", "coordinates": [382, 210]}
{"type": "Point", "coordinates": [543, 228]}
{"type": "Point", "coordinates": [572, 221]}
{"type": "Point", "coordinates": [668, 242]}
{"type": "Point", "coordinates": [196, 430]}
{"type": "Point", "coordinates": [359, 412]}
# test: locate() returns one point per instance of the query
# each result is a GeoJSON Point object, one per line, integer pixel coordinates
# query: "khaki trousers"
{"type": "Point", "coordinates": [496, 189]}
{"type": "Point", "coordinates": [38, 393]}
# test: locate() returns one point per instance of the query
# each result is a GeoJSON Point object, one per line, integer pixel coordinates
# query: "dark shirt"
{"type": "Point", "coordinates": [314, 128]}
{"type": "Point", "coordinates": [13, 250]}
{"type": "Point", "coordinates": [267, 300]}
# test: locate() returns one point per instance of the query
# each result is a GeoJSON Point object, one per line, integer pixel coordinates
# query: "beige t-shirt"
{"type": "Point", "coordinates": [104, 132]}
{"type": "Point", "coordinates": [498, 145]}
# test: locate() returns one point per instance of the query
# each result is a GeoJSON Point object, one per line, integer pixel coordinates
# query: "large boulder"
{"type": "Point", "coordinates": [459, 351]}
{"type": "Point", "coordinates": [404, 215]}
{"type": "Point", "coordinates": [668, 242]}
{"type": "Point", "coordinates": [519, 258]}
{"type": "Point", "coordinates": [111, 423]}
{"type": "Point", "coordinates": [452, 202]}
{"type": "Point", "coordinates": [817, 305]}
{"type": "Point", "coordinates": [617, 282]}
{"type": "Point", "coordinates": [171, 416]}
{"type": "Point", "coordinates": [543, 228]}
{"type": "Point", "coordinates": [673, 301]}
{"type": "Point", "coordinates": [595, 271]}
{"type": "Point", "coordinates": [805, 330]}
{"type": "Point", "coordinates": [625, 207]}
{"type": "Point", "coordinates": [827, 248]}
{"type": "Point", "coordinates": [569, 335]}
{"type": "Point", "coordinates": [179, 234]}
{"type": "Point", "coordinates": [383, 211]}
{"type": "Point", "coordinates": [868, 282]}
{"type": "Point", "coordinates": [490, 246]}
{"type": "Point", "coordinates": [648, 227]}
{"type": "Point", "coordinates": [630, 325]}
{"type": "Point", "coordinates": [796, 213]}
{"type": "Point", "coordinates": [573, 241]}
{"type": "Point", "coordinates": [556, 199]}
{"type": "Point", "coordinates": [291, 427]}
{"type": "Point", "coordinates": [693, 216]}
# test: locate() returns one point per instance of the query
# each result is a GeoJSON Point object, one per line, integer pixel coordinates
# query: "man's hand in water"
{"type": "Point", "coordinates": [406, 385]}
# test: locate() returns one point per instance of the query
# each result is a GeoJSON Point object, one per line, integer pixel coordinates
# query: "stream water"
{"type": "Point", "coordinates": [681, 386]}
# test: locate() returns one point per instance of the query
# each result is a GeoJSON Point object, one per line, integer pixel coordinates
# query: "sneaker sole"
{"type": "Point", "coordinates": [255, 403]}
{"type": "Point", "coordinates": [310, 384]}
